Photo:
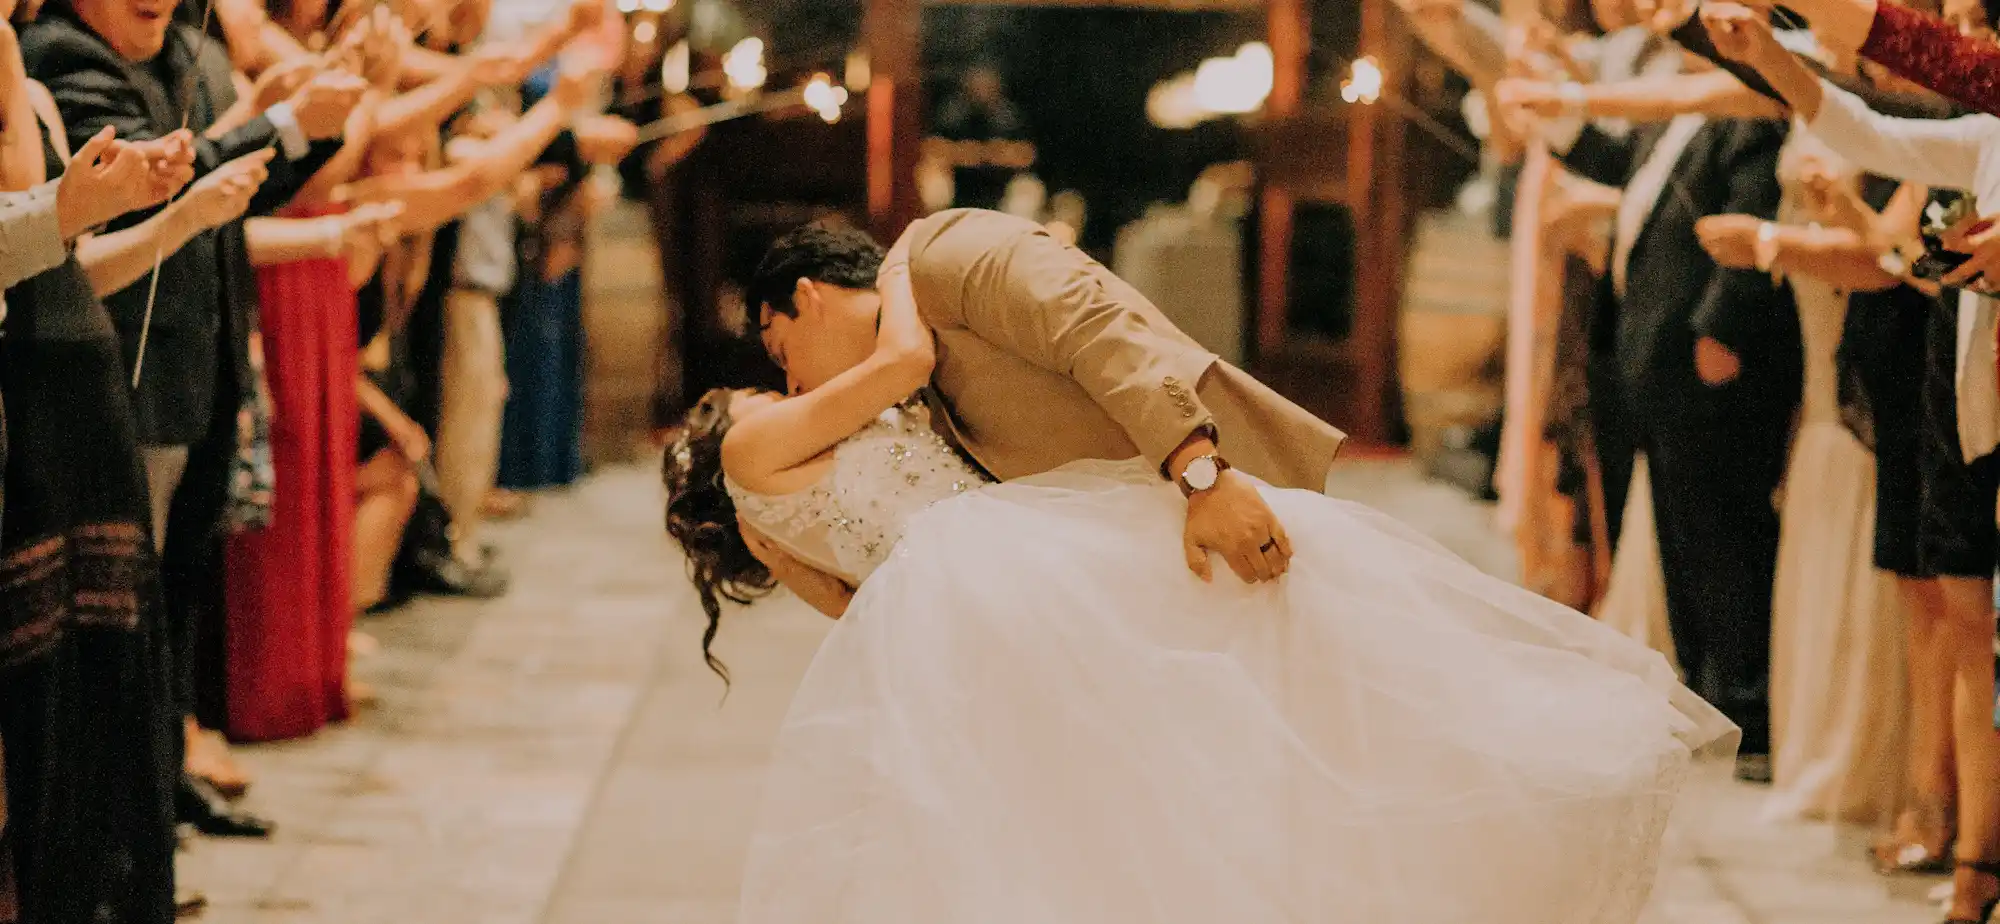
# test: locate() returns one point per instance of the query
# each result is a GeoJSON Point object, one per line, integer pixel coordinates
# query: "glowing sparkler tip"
{"type": "Point", "coordinates": [823, 97]}
{"type": "Point", "coordinates": [1363, 85]}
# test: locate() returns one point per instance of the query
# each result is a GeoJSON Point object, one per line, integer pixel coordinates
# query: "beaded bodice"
{"type": "Point", "coordinates": [881, 477]}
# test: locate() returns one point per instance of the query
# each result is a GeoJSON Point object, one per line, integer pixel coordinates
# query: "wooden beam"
{"type": "Point", "coordinates": [1289, 26]}
{"type": "Point", "coordinates": [1303, 154]}
{"type": "Point", "coordinates": [894, 30]}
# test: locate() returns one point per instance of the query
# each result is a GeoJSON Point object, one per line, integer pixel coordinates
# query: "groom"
{"type": "Point", "coordinates": [1045, 358]}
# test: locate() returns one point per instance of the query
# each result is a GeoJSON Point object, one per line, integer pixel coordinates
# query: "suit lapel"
{"type": "Point", "coordinates": [1655, 184]}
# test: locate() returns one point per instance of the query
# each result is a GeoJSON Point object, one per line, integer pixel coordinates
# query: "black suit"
{"type": "Point", "coordinates": [207, 289]}
{"type": "Point", "coordinates": [1716, 455]}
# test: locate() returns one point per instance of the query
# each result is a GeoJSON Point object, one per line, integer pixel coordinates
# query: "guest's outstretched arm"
{"type": "Point", "coordinates": [1693, 36]}
{"type": "Point", "coordinates": [1717, 94]}
{"type": "Point", "coordinates": [117, 259]}
{"type": "Point", "coordinates": [1919, 46]}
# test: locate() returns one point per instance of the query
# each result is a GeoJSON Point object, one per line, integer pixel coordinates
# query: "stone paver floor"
{"type": "Point", "coordinates": [562, 757]}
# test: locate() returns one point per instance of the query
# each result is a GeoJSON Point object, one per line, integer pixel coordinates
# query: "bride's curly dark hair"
{"type": "Point", "coordinates": [702, 518]}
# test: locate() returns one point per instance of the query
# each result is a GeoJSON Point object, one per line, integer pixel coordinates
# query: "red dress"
{"type": "Point", "coordinates": [1929, 51]}
{"type": "Point", "coordinates": [289, 613]}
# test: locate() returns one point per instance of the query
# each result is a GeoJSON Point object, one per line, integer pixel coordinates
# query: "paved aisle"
{"type": "Point", "coordinates": [562, 757]}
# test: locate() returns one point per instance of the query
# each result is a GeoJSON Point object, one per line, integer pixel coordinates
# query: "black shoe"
{"type": "Point", "coordinates": [1754, 768]}
{"type": "Point", "coordinates": [198, 804]}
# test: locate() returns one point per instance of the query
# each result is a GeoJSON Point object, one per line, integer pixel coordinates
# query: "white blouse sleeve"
{"type": "Point", "coordinates": [30, 236]}
{"type": "Point", "coordinates": [1934, 152]}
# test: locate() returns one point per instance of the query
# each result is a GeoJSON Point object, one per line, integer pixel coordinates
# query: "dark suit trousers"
{"type": "Point", "coordinates": [1715, 458]}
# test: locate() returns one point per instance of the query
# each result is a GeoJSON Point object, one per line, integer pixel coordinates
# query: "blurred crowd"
{"type": "Point", "coordinates": [293, 306]}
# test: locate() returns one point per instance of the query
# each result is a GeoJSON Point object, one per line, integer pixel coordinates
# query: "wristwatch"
{"type": "Point", "coordinates": [1201, 474]}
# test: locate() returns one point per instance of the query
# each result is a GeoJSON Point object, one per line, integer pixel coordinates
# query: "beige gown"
{"type": "Point", "coordinates": [1837, 685]}
{"type": "Point", "coordinates": [1635, 600]}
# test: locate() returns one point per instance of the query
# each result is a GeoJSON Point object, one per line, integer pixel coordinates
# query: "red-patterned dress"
{"type": "Point", "coordinates": [289, 610]}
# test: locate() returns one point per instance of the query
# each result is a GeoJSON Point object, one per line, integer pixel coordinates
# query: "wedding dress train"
{"type": "Point", "coordinates": [1033, 712]}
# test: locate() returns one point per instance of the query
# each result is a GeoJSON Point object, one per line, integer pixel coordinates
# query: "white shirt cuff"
{"type": "Point", "coordinates": [292, 141]}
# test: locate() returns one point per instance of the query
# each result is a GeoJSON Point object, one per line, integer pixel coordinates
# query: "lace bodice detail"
{"type": "Point", "coordinates": [881, 477]}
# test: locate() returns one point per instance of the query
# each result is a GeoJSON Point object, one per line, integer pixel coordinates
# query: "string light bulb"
{"type": "Point", "coordinates": [1363, 85]}
{"type": "Point", "coordinates": [1237, 84]}
{"type": "Point", "coordinates": [676, 72]}
{"type": "Point", "coordinates": [657, 6]}
{"type": "Point", "coordinates": [744, 65]}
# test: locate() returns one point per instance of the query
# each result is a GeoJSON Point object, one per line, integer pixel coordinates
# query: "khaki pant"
{"type": "Point", "coordinates": [473, 403]}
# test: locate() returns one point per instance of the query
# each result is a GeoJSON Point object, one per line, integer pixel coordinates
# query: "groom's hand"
{"type": "Point", "coordinates": [1232, 520]}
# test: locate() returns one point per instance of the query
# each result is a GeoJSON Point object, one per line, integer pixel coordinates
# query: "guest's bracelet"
{"type": "Point", "coordinates": [333, 237]}
{"type": "Point", "coordinates": [1765, 251]}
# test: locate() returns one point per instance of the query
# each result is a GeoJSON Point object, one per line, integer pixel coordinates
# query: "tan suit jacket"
{"type": "Point", "coordinates": [1045, 358]}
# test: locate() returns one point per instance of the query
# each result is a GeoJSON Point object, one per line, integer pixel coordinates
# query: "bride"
{"type": "Point", "coordinates": [1031, 710]}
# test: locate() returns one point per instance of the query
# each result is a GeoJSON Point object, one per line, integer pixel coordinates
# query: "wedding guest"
{"type": "Point", "coordinates": [1952, 154]}
{"type": "Point", "coordinates": [541, 443]}
{"type": "Point", "coordinates": [86, 817]}
{"type": "Point", "coordinates": [473, 372]}
{"type": "Point", "coordinates": [1837, 690]}
{"type": "Point", "coordinates": [194, 320]}
{"type": "Point", "coordinates": [1707, 371]}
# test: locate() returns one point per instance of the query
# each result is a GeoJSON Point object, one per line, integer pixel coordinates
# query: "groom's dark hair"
{"type": "Point", "coordinates": [830, 252]}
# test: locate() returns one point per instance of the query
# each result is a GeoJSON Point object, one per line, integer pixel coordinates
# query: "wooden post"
{"type": "Point", "coordinates": [894, 31]}
{"type": "Point", "coordinates": [1290, 29]}
{"type": "Point", "coordinates": [1379, 202]}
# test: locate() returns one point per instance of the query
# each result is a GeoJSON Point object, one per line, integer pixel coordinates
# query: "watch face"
{"type": "Point", "coordinates": [1201, 474]}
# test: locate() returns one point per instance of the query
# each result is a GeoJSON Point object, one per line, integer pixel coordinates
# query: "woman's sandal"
{"type": "Point", "coordinates": [1904, 852]}
{"type": "Point", "coordinates": [1990, 869]}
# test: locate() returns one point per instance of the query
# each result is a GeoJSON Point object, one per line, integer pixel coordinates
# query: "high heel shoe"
{"type": "Point", "coordinates": [197, 803]}
{"type": "Point", "coordinates": [1908, 850]}
{"type": "Point", "coordinates": [1989, 868]}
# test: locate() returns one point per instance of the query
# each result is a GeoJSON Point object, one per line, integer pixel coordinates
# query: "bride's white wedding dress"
{"type": "Point", "coordinates": [1032, 713]}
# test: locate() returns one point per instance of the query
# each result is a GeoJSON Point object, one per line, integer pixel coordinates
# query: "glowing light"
{"type": "Point", "coordinates": [1363, 85]}
{"type": "Point", "coordinates": [657, 6]}
{"type": "Point", "coordinates": [744, 64]}
{"type": "Point", "coordinates": [645, 31]}
{"type": "Point", "coordinates": [1172, 104]}
{"type": "Point", "coordinates": [859, 73]}
{"type": "Point", "coordinates": [1237, 84]}
{"type": "Point", "coordinates": [822, 97]}
{"type": "Point", "coordinates": [675, 75]}
{"type": "Point", "coordinates": [628, 7]}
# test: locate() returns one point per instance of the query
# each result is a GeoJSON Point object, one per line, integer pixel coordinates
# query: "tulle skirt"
{"type": "Point", "coordinates": [1033, 712]}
